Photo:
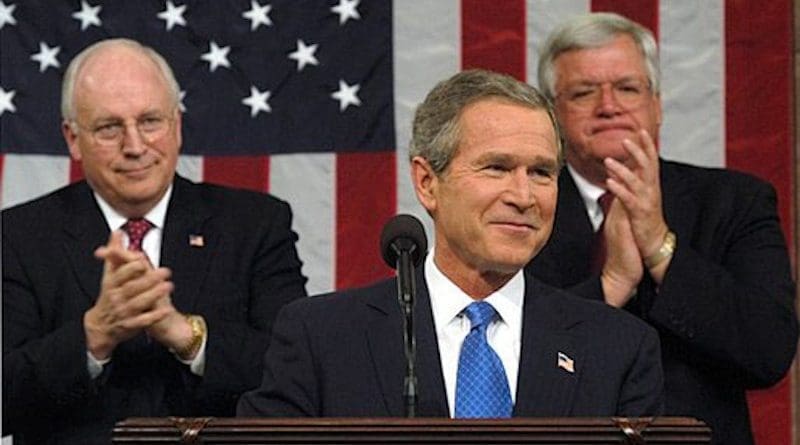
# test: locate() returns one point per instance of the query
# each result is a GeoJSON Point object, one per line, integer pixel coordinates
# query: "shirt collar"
{"type": "Point", "coordinates": [448, 300]}
{"type": "Point", "coordinates": [115, 220]}
{"type": "Point", "coordinates": [590, 193]}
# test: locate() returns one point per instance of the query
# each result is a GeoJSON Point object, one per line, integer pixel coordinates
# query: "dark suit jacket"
{"type": "Point", "coordinates": [342, 355]}
{"type": "Point", "coordinates": [246, 270]}
{"type": "Point", "coordinates": [725, 311]}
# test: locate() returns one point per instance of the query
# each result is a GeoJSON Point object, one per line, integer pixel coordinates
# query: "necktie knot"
{"type": "Point", "coordinates": [480, 314]}
{"type": "Point", "coordinates": [136, 228]}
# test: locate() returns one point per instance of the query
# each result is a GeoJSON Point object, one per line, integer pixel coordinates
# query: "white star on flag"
{"type": "Point", "coordinates": [257, 101]}
{"type": "Point", "coordinates": [216, 56]}
{"type": "Point", "coordinates": [304, 55]}
{"type": "Point", "coordinates": [346, 95]}
{"type": "Point", "coordinates": [181, 106]}
{"type": "Point", "coordinates": [258, 15]}
{"type": "Point", "coordinates": [6, 103]}
{"type": "Point", "coordinates": [7, 15]}
{"type": "Point", "coordinates": [46, 57]}
{"type": "Point", "coordinates": [88, 15]}
{"type": "Point", "coordinates": [173, 15]}
{"type": "Point", "coordinates": [347, 10]}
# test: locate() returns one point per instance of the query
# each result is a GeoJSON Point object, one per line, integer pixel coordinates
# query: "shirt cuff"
{"type": "Point", "coordinates": [94, 365]}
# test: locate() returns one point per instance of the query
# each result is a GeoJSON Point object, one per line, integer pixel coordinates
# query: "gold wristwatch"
{"type": "Point", "coordinates": [198, 325]}
{"type": "Point", "coordinates": [665, 251]}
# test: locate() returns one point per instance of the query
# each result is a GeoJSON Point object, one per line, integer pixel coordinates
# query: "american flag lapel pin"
{"type": "Point", "coordinates": [196, 240]}
{"type": "Point", "coordinates": [565, 363]}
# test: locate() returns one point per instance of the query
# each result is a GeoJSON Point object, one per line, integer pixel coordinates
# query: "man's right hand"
{"type": "Point", "coordinates": [129, 292]}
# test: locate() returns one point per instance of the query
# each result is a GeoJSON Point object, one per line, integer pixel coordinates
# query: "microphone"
{"type": "Point", "coordinates": [403, 233]}
{"type": "Point", "coordinates": [403, 245]}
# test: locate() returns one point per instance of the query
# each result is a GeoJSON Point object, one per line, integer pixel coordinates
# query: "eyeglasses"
{"type": "Point", "coordinates": [151, 128]}
{"type": "Point", "coordinates": [628, 93]}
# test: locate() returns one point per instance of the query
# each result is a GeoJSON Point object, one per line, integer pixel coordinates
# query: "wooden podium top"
{"type": "Point", "coordinates": [206, 430]}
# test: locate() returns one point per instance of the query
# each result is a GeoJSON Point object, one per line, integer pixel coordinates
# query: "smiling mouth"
{"type": "Point", "coordinates": [135, 171]}
{"type": "Point", "coordinates": [516, 226]}
{"type": "Point", "coordinates": [611, 128]}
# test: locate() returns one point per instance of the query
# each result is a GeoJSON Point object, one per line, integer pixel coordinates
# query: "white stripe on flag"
{"type": "Point", "coordinates": [191, 167]}
{"type": "Point", "coordinates": [693, 86]}
{"type": "Point", "coordinates": [427, 49]}
{"type": "Point", "coordinates": [541, 17]}
{"type": "Point", "coordinates": [28, 176]}
{"type": "Point", "coordinates": [308, 182]}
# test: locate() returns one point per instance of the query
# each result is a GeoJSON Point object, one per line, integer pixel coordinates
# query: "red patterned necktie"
{"type": "Point", "coordinates": [599, 241]}
{"type": "Point", "coordinates": [136, 228]}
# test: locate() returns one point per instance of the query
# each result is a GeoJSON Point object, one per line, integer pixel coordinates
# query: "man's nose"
{"type": "Point", "coordinates": [607, 102]}
{"type": "Point", "coordinates": [132, 142]}
{"type": "Point", "coordinates": [520, 190]}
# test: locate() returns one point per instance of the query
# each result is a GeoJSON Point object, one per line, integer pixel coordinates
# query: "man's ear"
{"type": "Point", "coordinates": [71, 138]}
{"type": "Point", "coordinates": [425, 182]}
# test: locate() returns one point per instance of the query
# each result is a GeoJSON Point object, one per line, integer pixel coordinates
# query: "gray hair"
{"type": "Point", "coordinates": [436, 131]}
{"type": "Point", "coordinates": [592, 31]}
{"type": "Point", "coordinates": [77, 63]}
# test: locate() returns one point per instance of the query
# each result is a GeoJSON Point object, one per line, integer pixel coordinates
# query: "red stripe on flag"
{"type": "Point", "coordinates": [244, 172]}
{"type": "Point", "coordinates": [644, 12]}
{"type": "Point", "coordinates": [366, 198]}
{"type": "Point", "coordinates": [75, 171]}
{"type": "Point", "coordinates": [493, 36]}
{"type": "Point", "coordinates": [758, 125]}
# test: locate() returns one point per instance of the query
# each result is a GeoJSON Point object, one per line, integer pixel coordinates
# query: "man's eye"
{"type": "Point", "coordinates": [108, 130]}
{"type": "Point", "coordinates": [632, 89]}
{"type": "Point", "coordinates": [497, 167]}
{"type": "Point", "coordinates": [151, 123]}
{"type": "Point", "coordinates": [583, 93]}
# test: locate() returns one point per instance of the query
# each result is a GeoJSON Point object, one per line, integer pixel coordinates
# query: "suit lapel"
{"type": "Point", "coordinates": [85, 229]}
{"type": "Point", "coordinates": [544, 388]}
{"type": "Point", "coordinates": [188, 242]}
{"type": "Point", "coordinates": [680, 207]}
{"type": "Point", "coordinates": [562, 262]}
{"type": "Point", "coordinates": [385, 340]}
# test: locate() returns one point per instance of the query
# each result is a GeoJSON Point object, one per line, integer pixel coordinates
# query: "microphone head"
{"type": "Point", "coordinates": [403, 232]}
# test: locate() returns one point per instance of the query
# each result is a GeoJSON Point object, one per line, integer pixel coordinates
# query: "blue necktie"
{"type": "Point", "coordinates": [481, 385]}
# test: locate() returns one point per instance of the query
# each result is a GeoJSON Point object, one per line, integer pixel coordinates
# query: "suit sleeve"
{"type": "Point", "coordinates": [44, 370]}
{"type": "Point", "coordinates": [236, 344]}
{"type": "Point", "coordinates": [642, 392]}
{"type": "Point", "coordinates": [289, 387]}
{"type": "Point", "coordinates": [735, 310]}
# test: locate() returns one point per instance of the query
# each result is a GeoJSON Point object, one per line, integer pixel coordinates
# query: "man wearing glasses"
{"type": "Point", "coordinates": [135, 292]}
{"type": "Point", "coordinates": [696, 252]}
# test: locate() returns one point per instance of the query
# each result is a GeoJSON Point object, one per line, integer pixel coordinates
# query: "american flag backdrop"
{"type": "Point", "coordinates": [312, 100]}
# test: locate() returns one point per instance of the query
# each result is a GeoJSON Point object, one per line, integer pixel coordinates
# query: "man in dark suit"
{"type": "Point", "coordinates": [165, 317]}
{"type": "Point", "coordinates": [697, 253]}
{"type": "Point", "coordinates": [485, 158]}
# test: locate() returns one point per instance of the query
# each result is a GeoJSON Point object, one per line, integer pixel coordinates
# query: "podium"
{"type": "Point", "coordinates": [251, 431]}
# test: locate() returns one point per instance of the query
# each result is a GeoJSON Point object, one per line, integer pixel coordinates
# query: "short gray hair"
{"type": "Point", "coordinates": [592, 31]}
{"type": "Point", "coordinates": [436, 132]}
{"type": "Point", "coordinates": [77, 63]}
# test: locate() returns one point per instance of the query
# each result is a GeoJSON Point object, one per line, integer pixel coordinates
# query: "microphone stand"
{"type": "Point", "coordinates": [406, 290]}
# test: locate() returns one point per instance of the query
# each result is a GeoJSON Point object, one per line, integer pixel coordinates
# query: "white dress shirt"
{"type": "Point", "coordinates": [590, 194]}
{"type": "Point", "coordinates": [452, 326]}
{"type": "Point", "coordinates": [151, 245]}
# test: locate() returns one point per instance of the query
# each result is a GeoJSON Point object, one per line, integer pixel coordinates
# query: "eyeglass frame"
{"type": "Point", "coordinates": [592, 98]}
{"type": "Point", "coordinates": [168, 119]}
